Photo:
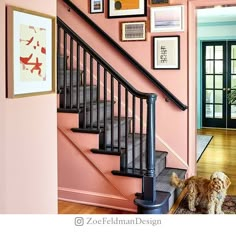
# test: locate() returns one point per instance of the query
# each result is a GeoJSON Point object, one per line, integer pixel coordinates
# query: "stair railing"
{"type": "Point", "coordinates": [170, 96]}
{"type": "Point", "coordinates": [109, 105]}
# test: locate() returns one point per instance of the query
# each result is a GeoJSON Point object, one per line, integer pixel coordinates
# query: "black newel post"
{"type": "Point", "coordinates": [149, 179]}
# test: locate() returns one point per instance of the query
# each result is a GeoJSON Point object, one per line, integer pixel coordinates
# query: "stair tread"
{"type": "Point", "coordinates": [108, 124]}
{"type": "Point", "coordinates": [130, 140]}
{"type": "Point", "coordinates": [94, 105]}
{"type": "Point", "coordinates": [159, 156]}
{"type": "Point", "coordinates": [81, 87]}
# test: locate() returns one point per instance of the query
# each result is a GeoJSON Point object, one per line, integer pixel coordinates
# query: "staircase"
{"type": "Point", "coordinates": [122, 117]}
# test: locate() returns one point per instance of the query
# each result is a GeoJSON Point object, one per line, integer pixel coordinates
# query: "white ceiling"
{"type": "Point", "coordinates": [216, 14]}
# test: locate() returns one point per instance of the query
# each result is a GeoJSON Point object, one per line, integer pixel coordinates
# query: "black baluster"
{"type": "Point", "coordinates": [98, 96]}
{"type": "Point", "coordinates": [133, 133]}
{"type": "Point", "coordinates": [78, 76]}
{"type": "Point", "coordinates": [84, 88]}
{"type": "Point", "coordinates": [71, 72]}
{"type": "Point", "coordinates": [105, 109]}
{"type": "Point", "coordinates": [112, 113]}
{"type": "Point", "coordinates": [91, 92]}
{"type": "Point", "coordinates": [141, 134]}
{"type": "Point", "coordinates": [119, 116]}
{"type": "Point", "coordinates": [126, 126]}
{"type": "Point", "coordinates": [64, 69]}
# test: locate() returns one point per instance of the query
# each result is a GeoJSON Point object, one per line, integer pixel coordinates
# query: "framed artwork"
{"type": "Point", "coordinates": [159, 1]}
{"type": "Point", "coordinates": [30, 53]}
{"type": "Point", "coordinates": [133, 31]}
{"type": "Point", "coordinates": [167, 19]}
{"type": "Point", "coordinates": [127, 8]}
{"type": "Point", "coordinates": [96, 6]}
{"type": "Point", "coordinates": [166, 52]}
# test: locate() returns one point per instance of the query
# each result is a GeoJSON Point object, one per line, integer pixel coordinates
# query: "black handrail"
{"type": "Point", "coordinates": [138, 66]}
{"type": "Point", "coordinates": [121, 79]}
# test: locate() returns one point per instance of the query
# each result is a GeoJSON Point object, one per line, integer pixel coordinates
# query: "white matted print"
{"type": "Point", "coordinates": [166, 53]}
{"type": "Point", "coordinates": [133, 31]}
{"type": "Point", "coordinates": [167, 19]}
{"type": "Point", "coordinates": [96, 6]}
{"type": "Point", "coordinates": [30, 53]}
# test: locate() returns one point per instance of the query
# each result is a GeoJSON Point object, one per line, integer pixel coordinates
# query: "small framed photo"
{"type": "Point", "coordinates": [96, 6]}
{"type": "Point", "coordinates": [30, 53]}
{"type": "Point", "coordinates": [159, 1]}
{"type": "Point", "coordinates": [127, 8]}
{"type": "Point", "coordinates": [167, 19]}
{"type": "Point", "coordinates": [166, 52]}
{"type": "Point", "coordinates": [133, 31]}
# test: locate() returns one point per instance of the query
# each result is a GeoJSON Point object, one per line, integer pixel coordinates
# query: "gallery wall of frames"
{"type": "Point", "coordinates": [161, 17]}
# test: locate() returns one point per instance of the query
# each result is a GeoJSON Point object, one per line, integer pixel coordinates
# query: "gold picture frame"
{"type": "Point", "coordinates": [30, 53]}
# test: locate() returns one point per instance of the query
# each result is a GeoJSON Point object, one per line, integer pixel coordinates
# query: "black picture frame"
{"type": "Point", "coordinates": [96, 6]}
{"type": "Point", "coordinates": [115, 8]}
{"type": "Point", "coordinates": [159, 1]}
{"type": "Point", "coordinates": [166, 52]}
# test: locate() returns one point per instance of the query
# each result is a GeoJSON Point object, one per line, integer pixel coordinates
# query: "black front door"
{"type": "Point", "coordinates": [218, 79]}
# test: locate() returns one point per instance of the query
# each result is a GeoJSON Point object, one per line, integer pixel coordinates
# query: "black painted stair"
{"type": "Point", "coordinates": [114, 136]}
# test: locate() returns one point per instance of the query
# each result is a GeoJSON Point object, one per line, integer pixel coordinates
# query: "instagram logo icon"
{"type": "Point", "coordinates": [79, 221]}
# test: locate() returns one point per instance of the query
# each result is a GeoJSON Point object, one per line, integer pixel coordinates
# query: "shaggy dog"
{"type": "Point", "coordinates": [209, 192]}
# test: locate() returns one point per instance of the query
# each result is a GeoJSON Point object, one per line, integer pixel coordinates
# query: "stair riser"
{"type": "Point", "coordinates": [136, 156]}
{"type": "Point", "coordinates": [74, 97]}
{"type": "Point", "coordinates": [115, 134]}
{"type": "Point", "coordinates": [94, 114]}
{"type": "Point", "coordinates": [60, 60]}
{"type": "Point", "coordinates": [60, 78]}
{"type": "Point", "coordinates": [160, 166]}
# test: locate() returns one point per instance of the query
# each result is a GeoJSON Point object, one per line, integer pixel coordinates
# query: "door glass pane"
{"type": "Point", "coordinates": [218, 67]}
{"type": "Point", "coordinates": [218, 96]}
{"type": "Point", "coordinates": [218, 52]}
{"type": "Point", "coordinates": [209, 96]}
{"type": "Point", "coordinates": [209, 81]}
{"type": "Point", "coordinates": [209, 111]}
{"type": "Point", "coordinates": [233, 81]}
{"type": "Point", "coordinates": [219, 81]}
{"type": "Point", "coordinates": [233, 51]}
{"type": "Point", "coordinates": [233, 67]}
{"type": "Point", "coordinates": [209, 67]}
{"type": "Point", "coordinates": [232, 98]}
{"type": "Point", "coordinates": [209, 52]}
{"type": "Point", "coordinates": [233, 111]}
{"type": "Point", "coordinates": [218, 111]}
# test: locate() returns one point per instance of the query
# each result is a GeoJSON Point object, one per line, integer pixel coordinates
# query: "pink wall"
{"type": "Point", "coordinates": [28, 139]}
{"type": "Point", "coordinates": [171, 122]}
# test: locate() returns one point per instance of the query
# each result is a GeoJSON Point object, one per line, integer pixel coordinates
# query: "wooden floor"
{"type": "Point", "coordinates": [220, 155]}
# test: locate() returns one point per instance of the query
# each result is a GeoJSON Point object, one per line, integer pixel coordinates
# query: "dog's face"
{"type": "Point", "coordinates": [219, 181]}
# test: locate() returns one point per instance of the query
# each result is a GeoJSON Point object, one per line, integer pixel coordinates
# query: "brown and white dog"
{"type": "Point", "coordinates": [209, 192]}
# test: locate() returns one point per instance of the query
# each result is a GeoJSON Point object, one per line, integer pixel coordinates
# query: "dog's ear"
{"type": "Point", "coordinates": [226, 182]}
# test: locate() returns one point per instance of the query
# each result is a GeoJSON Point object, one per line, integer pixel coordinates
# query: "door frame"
{"type": "Point", "coordinates": [193, 5]}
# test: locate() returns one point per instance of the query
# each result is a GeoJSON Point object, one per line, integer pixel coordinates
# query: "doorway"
{"type": "Point", "coordinates": [218, 80]}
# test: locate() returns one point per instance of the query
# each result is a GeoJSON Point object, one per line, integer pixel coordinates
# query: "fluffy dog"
{"type": "Point", "coordinates": [209, 192]}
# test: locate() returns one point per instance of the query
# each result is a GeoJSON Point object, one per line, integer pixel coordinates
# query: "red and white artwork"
{"type": "Point", "coordinates": [32, 53]}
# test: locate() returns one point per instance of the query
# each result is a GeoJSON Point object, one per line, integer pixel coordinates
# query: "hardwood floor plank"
{"type": "Point", "coordinates": [220, 155]}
